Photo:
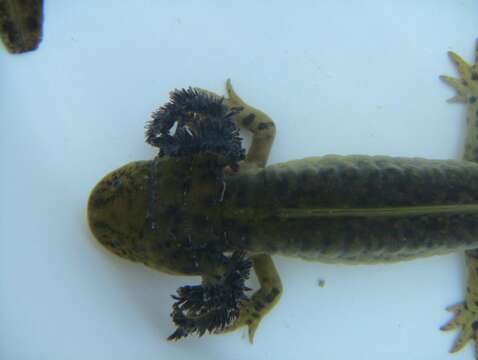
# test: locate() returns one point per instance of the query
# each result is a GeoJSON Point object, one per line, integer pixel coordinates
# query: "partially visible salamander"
{"type": "Point", "coordinates": [204, 207]}
{"type": "Point", "coordinates": [21, 24]}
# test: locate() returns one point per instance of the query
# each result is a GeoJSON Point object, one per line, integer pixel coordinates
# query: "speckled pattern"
{"type": "Point", "coordinates": [356, 181]}
{"type": "Point", "coordinates": [349, 182]}
{"type": "Point", "coordinates": [251, 204]}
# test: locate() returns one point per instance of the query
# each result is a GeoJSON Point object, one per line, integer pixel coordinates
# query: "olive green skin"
{"type": "Point", "coordinates": [160, 212]}
{"type": "Point", "coordinates": [356, 209]}
{"type": "Point", "coordinates": [349, 209]}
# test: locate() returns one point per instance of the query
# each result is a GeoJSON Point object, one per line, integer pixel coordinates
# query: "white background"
{"type": "Point", "coordinates": [337, 76]}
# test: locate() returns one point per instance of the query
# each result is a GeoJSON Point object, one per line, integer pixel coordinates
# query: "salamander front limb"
{"type": "Point", "coordinates": [264, 299]}
{"type": "Point", "coordinates": [263, 132]}
{"type": "Point", "coordinates": [258, 123]}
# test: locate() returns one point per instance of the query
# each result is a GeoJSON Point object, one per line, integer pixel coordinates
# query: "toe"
{"type": "Point", "coordinates": [463, 68]}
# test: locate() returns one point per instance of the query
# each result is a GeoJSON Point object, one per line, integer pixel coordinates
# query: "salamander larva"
{"type": "Point", "coordinates": [204, 207]}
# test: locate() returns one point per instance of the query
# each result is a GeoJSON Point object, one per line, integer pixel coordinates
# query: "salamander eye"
{"type": "Point", "coordinates": [212, 306]}
{"type": "Point", "coordinates": [203, 124]}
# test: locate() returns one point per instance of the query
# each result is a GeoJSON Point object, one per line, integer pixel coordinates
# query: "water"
{"type": "Point", "coordinates": [336, 76]}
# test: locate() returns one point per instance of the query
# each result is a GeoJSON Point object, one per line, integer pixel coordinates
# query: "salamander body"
{"type": "Point", "coordinates": [205, 207]}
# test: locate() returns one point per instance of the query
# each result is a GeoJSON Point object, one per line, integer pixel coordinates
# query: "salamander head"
{"type": "Point", "coordinates": [118, 218]}
{"type": "Point", "coordinates": [117, 207]}
{"type": "Point", "coordinates": [164, 212]}
{"type": "Point", "coordinates": [144, 211]}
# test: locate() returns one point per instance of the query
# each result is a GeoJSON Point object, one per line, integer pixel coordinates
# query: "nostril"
{"type": "Point", "coordinates": [114, 182]}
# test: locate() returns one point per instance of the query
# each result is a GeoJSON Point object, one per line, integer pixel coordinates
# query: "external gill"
{"type": "Point", "coordinates": [214, 305]}
{"type": "Point", "coordinates": [203, 124]}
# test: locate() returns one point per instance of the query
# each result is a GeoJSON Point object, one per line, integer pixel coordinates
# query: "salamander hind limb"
{"type": "Point", "coordinates": [466, 314]}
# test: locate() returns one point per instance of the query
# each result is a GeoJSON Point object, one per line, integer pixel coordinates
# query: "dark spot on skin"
{"type": "Point", "coordinates": [114, 243]}
{"type": "Point", "coordinates": [430, 244]}
{"type": "Point", "coordinates": [464, 82]}
{"type": "Point", "coordinates": [115, 182]}
{"type": "Point", "coordinates": [269, 298]}
{"type": "Point", "coordinates": [272, 295]}
{"type": "Point", "coordinates": [263, 126]}
{"type": "Point", "coordinates": [256, 315]}
{"type": "Point", "coordinates": [248, 322]}
{"type": "Point", "coordinates": [101, 225]}
{"type": "Point", "coordinates": [248, 120]}
{"type": "Point", "coordinates": [101, 202]}
{"type": "Point", "coordinates": [474, 76]}
{"type": "Point", "coordinates": [170, 211]}
{"type": "Point", "coordinates": [472, 99]}
{"type": "Point", "coordinates": [466, 306]}
{"type": "Point", "coordinates": [259, 306]}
